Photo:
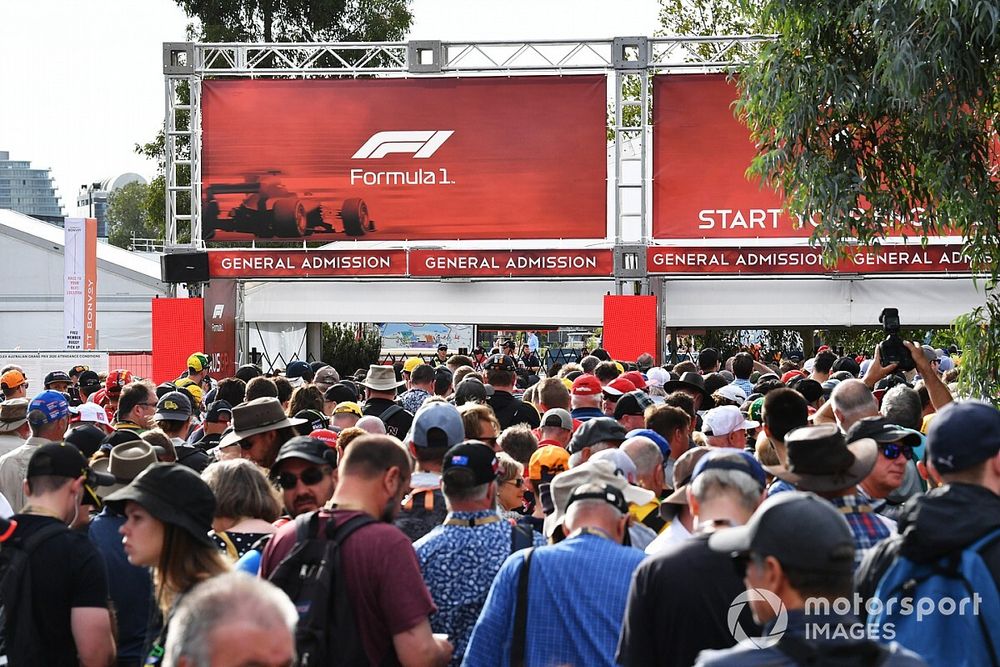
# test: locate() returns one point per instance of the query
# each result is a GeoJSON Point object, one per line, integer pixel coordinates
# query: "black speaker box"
{"type": "Point", "coordinates": [184, 267]}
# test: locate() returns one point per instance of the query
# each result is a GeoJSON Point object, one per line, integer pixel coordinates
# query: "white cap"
{"type": "Point", "coordinates": [733, 392]}
{"type": "Point", "coordinates": [91, 412]}
{"type": "Point", "coordinates": [725, 420]}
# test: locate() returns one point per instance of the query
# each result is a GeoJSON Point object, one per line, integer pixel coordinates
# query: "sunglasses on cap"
{"type": "Point", "coordinates": [892, 451]}
{"type": "Point", "coordinates": [309, 476]}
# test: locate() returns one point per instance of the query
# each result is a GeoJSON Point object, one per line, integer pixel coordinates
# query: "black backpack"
{"type": "Point", "coordinates": [312, 577]}
{"type": "Point", "coordinates": [845, 653]}
{"type": "Point", "coordinates": [422, 510]}
{"type": "Point", "coordinates": [19, 643]}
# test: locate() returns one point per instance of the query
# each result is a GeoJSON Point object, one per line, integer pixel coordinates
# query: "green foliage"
{"type": "Point", "coordinates": [713, 17]}
{"type": "Point", "coordinates": [348, 347]}
{"type": "Point", "coordinates": [978, 336]}
{"type": "Point", "coordinates": [129, 215]}
{"type": "Point", "coordinates": [299, 20]}
{"type": "Point", "coordinates": [878, 118]}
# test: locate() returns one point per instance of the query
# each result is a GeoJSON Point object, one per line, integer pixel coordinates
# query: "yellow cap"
{"type": "Point", "coordinates": [412, 363]}
{"type": "Point", "coordinates": [347, 407]}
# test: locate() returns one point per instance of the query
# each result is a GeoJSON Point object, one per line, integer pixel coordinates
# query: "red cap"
{"type": "Point", "coordinates": [327, 436]}
{"type": "Point", "coordinates": [822, 348]}
{"type": "Point", "coordinates": [586, 385]}
{"type": "Point", "coordinates": [791, 375]}
{"type": "Point", "coordinates": [117, 380]}
{"type": "Point", "coordinates": [635, 377]}
{"type": "Point", "coordinates": [619, 386]}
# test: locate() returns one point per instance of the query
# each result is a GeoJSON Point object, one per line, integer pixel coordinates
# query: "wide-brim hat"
{"type": "Point", "coordinates": [381, 378]}
{"type": "Point", "coordinates": [126, 462]}
{"type": "Point", "coordinates": [691, 380]}
{"type": "Point", "coordinates": [14, 413]}
{"type": "Point", "coordinates": [258, 416]}
{"type": "Point", "coordinates": [820, 460]}
{"type": "Point", "coordinates": [602, 473]}
{"type": "Point", "coordinates": [173, 494]}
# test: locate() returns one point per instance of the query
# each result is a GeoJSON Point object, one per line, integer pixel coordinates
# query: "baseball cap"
{"type": "Point", "coordinates": [777, 527]}
{"type": "Point", "coordinates": [412, 363]}
{"type": "Point", "coordinates": [85, 437]}
{"type": "Point", "coordinates": [328, 436]}
{"type": "Point", "coordinates": [810, 389]}
{"type": "Point", "coordinates": [437, 424]}
{"type": "Point", "coordinates": [593, 431]}
{"type": "Point", "coordinates": [190, 388]}
{"type": "Point", "coordinates": [732, 392]}
{"type": "Point", "coordinates": [89, 380]}
{"type": "Point", "coordinates": [116, 380]}
{"type": "Point", "coordinates": [618, 387]}
{"type": "Point", "coordinates": [442, 347]}
{"type": "Point", "coordinates": [566, 488]}
{"type": "Point", "coordinates": [307, 448]}
{"type": "Point", "coordinates": [76, 370]}
{"type": "Point", "coordinates": [12, 379]}
{"type": "Point", "coordinates": [218, 408]}
{"type": "Point", "coordinates": [557, 417]}
{"type": "Point", "coordinates": [62, 460]}
{"type": "Point", "coordinates": [298, 369]}
{"type": "Point", "coordinates": [546, 462]}
{"type": "Point", "coordinates": [636, 378]}
{"type": "Point", "coordinates": [963, 434]}
{"type": "Point", "coordinates": [89, 412]}
{"type": "Point", "coordinates": [340, 392]}
{"type": "Point", "coordinates": [56, 376]}
{"type": "Point", "coordinates": [474, 456]}
{"type": "Point", "coordinates": [326, 377]}
{"type": "Point", "coordinates": [310, 420]}
{"type": "Point", "coordinates": [726, 419]}
{"type": "Point", "coordinates": [650, 434]}
{"type": "Point", "coordinates": [174, 405]}
{"type": "Point", "coordinates": [791, 375]}
{"type": "Point", "coordinates": [624, 465]}
{"type": "Point", "coordinates": [633, 403]}
{"type": "Point", "coordinates": [731, 459]}
{"type": "Point", "coordinates": [501, 361]}
{"type": "Point", "coordinates": [198, 361]}
{"type": "Point", "coordinates": [586, 385]}
{"type": "Point", "coordinates": [46, 408]}
{"type": "Point", "coordinates": [657, 376]}
{"type": "Point", "coordinates": [882, 431]}
{"type": "Point", "coordinates": [348, 407]}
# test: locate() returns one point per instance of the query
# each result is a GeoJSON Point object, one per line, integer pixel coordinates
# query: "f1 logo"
{"type": "Point", "coordinates": [217, 312]}
{"type": "Point", "coordinates": [422, 143]}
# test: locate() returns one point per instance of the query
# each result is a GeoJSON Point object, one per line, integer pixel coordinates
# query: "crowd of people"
{"type": "Point", "coordinates": [462, 511]}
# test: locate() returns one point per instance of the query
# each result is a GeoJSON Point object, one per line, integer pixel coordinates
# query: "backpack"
{"type": "Point", "coordinates": [312, 577]}
{"type": "Point", "coordinates": [19, 642]}
{"type": "Point", "coordinates": [422, 510]}
{"type": "Point", "coordinates": [959, 576]}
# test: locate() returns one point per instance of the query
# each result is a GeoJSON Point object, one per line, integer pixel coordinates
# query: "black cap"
{"type": "Point", "coordinates": [64, 460]}
{"type": "Point", "coordinates": [777, 527]}
{"type": "Point", "coordinates": [882, 431]}
{"type": "Point", "coordinates": [306, 448]}
{"type": "Point", "coordinates": [810, 389]}
{"type": "Point", "coordinates": [633, 403]}
{"type": "Point", "coordinates": [248, 372]}
{"type": "Point", "coordinates": [475, 456]}
{"type": "Point", "coordinates": [963, 434]}
{"type": "Point", "coordinates": [116, 438]}
{"type": "Point", "coordinates": [87, 438]}
{"type": "Point", "coordinates": [314, 421]}
{"type": "Point", "coordinates": [500, 361]}
{"type": "Point", "coordinates": [593, 431]}
{"type": "Point", "coordinates": [76, 370]}
{"type": "Point", "coordinates": [89, 380]}
{"type": "Point", "coordinates": [217, 409]}
{"type": "Point", "coordinates": [174, 494]}
{"type": "Point", "coordinates": [164, 389]}
{"type": "Point", "coordinates": [341, 392]}
{"type": "Point", "coordinates": [442, 347]}
{"type": "Point", "coordinates": [56, 376]}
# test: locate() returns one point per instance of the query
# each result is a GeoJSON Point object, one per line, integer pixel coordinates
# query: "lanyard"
{"type": "Point", "coordinates": [594, 531]}
{"type": "Point", "coordinates": [451, 520]}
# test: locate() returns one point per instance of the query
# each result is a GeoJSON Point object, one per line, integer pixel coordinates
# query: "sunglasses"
{"type": "Point", "coordinates": [892, 451]}
{"type": "Point", "coordinates": [519, 482]}
{"type": "Point", "coordinates": [309, 476]}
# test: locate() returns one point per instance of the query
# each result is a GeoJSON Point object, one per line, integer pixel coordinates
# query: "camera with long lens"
{"type": "Point", "coordinates": [892, 350]}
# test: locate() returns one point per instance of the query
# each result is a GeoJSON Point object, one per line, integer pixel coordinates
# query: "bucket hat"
{"type": "Point", "coordinates": [820, 460]}
{"type": "Point", "coordinates": [125, 463]}
{"type": "Point", "coordinates": [381, 378]}
{"type": "Point", "coordinates": [258, 416]}
{"type": "Point", "coordinates": [173, 494]}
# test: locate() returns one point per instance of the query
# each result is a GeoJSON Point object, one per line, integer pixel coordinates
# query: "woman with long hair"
{"type": "Point", "coordinates": [168, 513]}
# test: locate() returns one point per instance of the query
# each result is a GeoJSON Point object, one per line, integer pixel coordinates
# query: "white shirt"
{"type": "Point", "coordinates": [675, 532]}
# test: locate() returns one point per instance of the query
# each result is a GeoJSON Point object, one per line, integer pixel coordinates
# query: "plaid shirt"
{"type": "Point", "coordinates": [868, 528]}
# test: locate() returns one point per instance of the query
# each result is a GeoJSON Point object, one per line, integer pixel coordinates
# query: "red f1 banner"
{"type": "Point", "coordinates": [404, 159]}
{"type": "Point", "coordinates": [482, 263]}
{"type": "Point", "coordinates": [806, 260]}
{"type": "Point", "coordinates": [700, 156]}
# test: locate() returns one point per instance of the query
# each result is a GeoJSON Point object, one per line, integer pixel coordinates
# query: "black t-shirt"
{"type": "Point", "coordinates": [510, 410]}
{"type": "Point", "coordinates": [398, 425]}
{"type": "Point", "coordinates": [66, 572]}
{"type": "Point", "coordinates": [678, 605]}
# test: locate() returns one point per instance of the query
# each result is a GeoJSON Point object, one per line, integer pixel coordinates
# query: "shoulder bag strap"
{"type": "Point", "coordinates": [517, 645]}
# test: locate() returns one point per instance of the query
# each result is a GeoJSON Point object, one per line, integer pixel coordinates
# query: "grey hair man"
{"type": "Point", "coordinates": [852, 400]}
{"type": "Point", "coordinates": [233, 619]}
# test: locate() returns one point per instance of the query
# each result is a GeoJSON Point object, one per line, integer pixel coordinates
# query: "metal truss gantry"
{"type": "Point", "coordinates": [630, 60]}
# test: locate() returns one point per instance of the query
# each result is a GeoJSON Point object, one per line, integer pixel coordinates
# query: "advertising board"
{"type": "Point", "coordinates": [404, 159]}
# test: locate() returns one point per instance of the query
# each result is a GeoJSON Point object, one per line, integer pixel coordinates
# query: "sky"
{"type": "Point", "coordinates": [81, 80]}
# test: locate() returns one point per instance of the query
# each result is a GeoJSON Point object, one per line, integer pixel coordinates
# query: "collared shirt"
{"type": "Point", "coordinates": [13, 468]}
{"type": "Point", "coordinates": [745, 385]}
{"type": "Point", "coordinates": [413, 399]}
{"type": "Point", "coordinates": [868, 528]}
{"type": "Point", "coordinates": [459, 564]}
{"type": "Point", "coordinates": [577, 590]}
{"type": "Point", "coordinates": [586, 414]}
{"type": "Point", "coordinates": [779, 486]}
{"type": "Point", "coordinates": [673, 533]}
{"type": "Point", "coordinates": [649, 515]}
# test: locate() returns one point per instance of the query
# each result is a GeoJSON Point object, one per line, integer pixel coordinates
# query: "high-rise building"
{"type": "Point", "coordinates": [95, 197]}
{"type": "Point", "coordinates": [29, 191]}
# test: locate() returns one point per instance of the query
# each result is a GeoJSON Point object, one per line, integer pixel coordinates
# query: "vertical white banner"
{"type": "Point", "coordinates": [75, 251]}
